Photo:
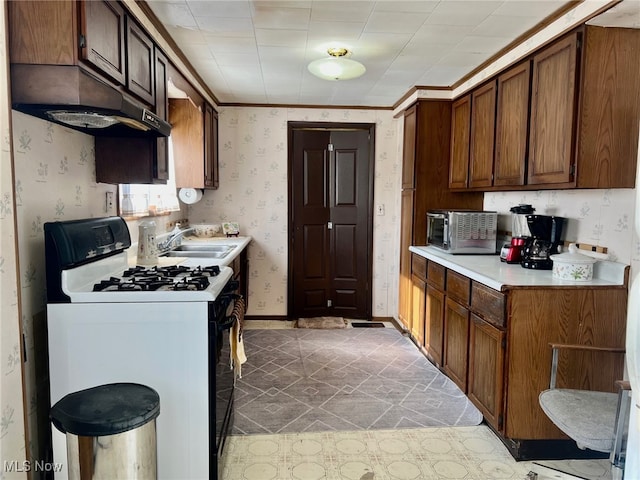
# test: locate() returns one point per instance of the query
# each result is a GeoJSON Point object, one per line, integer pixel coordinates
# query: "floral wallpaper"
{"type": "Point", "coordinates": [594, 217]}
{"type": "Point", "coordinates": [54, 180]}
{"type": "Point", "coordinates": [253, 192]}
{"type": "Point", "coordinates": [12, 432]}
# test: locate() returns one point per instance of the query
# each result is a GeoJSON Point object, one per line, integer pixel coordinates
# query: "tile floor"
{"type": "Point", "coordinates": [424, 453]}
{"type": "Point", "coordinates": [470, 453]}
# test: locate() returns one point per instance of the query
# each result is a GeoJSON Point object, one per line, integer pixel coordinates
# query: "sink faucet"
{"type": "Point", "coordinates": [174, 237]}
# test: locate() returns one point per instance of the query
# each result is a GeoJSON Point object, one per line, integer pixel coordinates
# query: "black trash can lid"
{"type": "Point", "coordinates": [106, 409]}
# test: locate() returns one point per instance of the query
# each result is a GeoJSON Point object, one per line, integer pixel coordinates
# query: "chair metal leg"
{"type": "Point", "coordinates": [618, 453]}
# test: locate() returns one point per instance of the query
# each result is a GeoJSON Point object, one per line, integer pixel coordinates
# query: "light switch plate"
{"type": "Point", "coordinates": [109, 202]}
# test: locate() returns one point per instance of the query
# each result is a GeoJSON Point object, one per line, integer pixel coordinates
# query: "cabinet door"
{"type": "Point", "coordinates": [162, 110]}
{"type": "Point", "coordinates": [460, 135]}
{"type": "Point", "coordinates": [418, 287]}
{"type": "Point", "coordinates": [43, 32]}
{"type": "Point", "coordinates": [483, 121]}
{"type": "Point", "coordinates": [409, 148]}
{"type": "Point", "coordinates": [553, 113]}
{"type": "Point", "coordinates": [512, 125]}
{"type": "Point", "coordinates": [607, 151]}
{"type": "Point", "coordinates": [102, 37]}
{"type": "Point", "coordinates": [456, 342]}
{"type": "Point", "coordinates": [210, 148]}
{"type": "Point", "coordinates": [434, 324]}
{"type": "Point", "coordinates": [486, 370]}
{"type": "Point", "coordinates": [406, 222]}
{"type": "Point", "coordinates": [140, 63]}
{"type": "Point", "coordinates": [125, 159]}
{"type": "Point", "coordinates": [187, 132]}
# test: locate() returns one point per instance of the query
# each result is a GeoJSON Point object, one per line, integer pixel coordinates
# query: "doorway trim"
{"type": "Point", "coordinates": [330, 126]}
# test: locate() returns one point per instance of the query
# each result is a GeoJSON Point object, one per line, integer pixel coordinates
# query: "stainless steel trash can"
{"type": "Point", "coordinates": [110, 431]}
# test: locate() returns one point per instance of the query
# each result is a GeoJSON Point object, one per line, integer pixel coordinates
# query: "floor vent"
{"type": "Point", "coordinates": [367, 325]}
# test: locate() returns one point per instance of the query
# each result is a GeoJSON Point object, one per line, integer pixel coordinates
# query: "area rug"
{"type": "Point", "coordinates": [306, 380]}
{"type": "Point", "coordinates": [321, 322]}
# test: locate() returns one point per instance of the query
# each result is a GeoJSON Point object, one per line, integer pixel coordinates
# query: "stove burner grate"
{"type": "Point", "coordinates": [168, 271]}
{"type": "Point", "coordinates": [173, 277]}
{"type": "Point", "coordinates": [192, 283]}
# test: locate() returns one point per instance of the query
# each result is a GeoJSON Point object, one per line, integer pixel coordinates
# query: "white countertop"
{"type": "Point", "coordinates": [490, 271]}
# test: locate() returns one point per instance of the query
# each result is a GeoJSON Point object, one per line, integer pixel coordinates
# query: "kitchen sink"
{"type": "Point", "coordinates": [200, 251]}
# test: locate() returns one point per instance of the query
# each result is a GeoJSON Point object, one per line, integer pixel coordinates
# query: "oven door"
{"type": "Point", "coordinates": [438, 230]}
{"type": "Point", "coordinates": [221, 384]}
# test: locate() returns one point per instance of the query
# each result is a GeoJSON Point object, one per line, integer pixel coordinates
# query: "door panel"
{"type": "Point", "coordinates": [349, 199]}
{"type": "Point", "coordinates": [345, 179]}
{"type": "Point", "coordinates": [310, 243]}
{"type": "Point", "coordinates": [314, 177]}
{"type": "Point", "coordinates": [331, 212]}
{"type": "Point", "coordinates": [345, 246]}
{"type": "Point", "coordinates": [314, 246]}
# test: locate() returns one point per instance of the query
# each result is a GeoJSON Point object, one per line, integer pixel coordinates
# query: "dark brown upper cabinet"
{"type": "Point", "coordinates": [161, 70]}
{"type": "Point", "coordinates": [553, 112]}
{"type": "Point", "coordinates": [460, 137]}
{"type": "Point", "coordinates": [211, 173]}
{"type": "Point", "coordinates": [140, 63]}
{"type": "Point", "coordinates": [194, 136]}
{"type": "Point", "coordinates": [483, 127]}
{"type": "Point", "coordinates": [98, 36]}
{"type": "Point", "coordinates": [409, 148]}
{"type": "Point", "coordinates": [512, 125]}
{"type": "Point", "coordinates": [102, 37]}
{"type": "Point", "coordinates": [609, 120]}
{"type": "Point", "coordinates": [567, 117]}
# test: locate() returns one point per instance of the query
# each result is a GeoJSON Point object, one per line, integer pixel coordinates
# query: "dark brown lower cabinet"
{"type": "Point", "coordinates": [456, 342]}
{"type": "Point", "coordinates": [494, 345]}
{"type": "Point", "coordinates": [434, 324]}
{"type": "Point", "coordinates": [418, 287]}
{"type": "Point", "coordinates": [486, 370]}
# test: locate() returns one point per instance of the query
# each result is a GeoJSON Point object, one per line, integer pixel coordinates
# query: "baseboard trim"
{"type": "Point", "coordinates": [286, 318]}
{"type": "Point", "coordinates": [282, 318]}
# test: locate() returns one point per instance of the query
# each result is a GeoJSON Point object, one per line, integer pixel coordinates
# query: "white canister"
{"type": "Point", "coordinates": [147, 247]}
{"type": "Point", "coordinates": [573, 265]}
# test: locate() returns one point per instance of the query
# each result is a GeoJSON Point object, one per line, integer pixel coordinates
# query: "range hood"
{"type": "Point", "coordinates": [72, 97]}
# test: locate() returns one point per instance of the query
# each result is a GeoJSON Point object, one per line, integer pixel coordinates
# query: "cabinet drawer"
{"type": "Point", "coordinates": [458, 287]}
{"type": "Point", "coordinates": [488, 303]}
{"type": "Point", "coordinates": [436, 275]}
{"type": "Point", "coordinates": [419, 266]}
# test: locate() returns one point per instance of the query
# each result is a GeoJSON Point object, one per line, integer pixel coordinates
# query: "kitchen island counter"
{"type": "Point", "coordinates": [490, 271]}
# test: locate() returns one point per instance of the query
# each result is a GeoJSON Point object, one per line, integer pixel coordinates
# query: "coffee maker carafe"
{"type": "Point", "coordinates": [546, 233]}
{"type": "Point", "coordinates": [512, 252]}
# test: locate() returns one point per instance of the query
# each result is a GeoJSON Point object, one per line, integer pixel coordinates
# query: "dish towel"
{"type": "Point", "coordinates": [238, 356]}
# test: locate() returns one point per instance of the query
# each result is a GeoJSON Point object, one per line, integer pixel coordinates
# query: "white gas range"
{"type": "Point", "coordinates": [164, 327]}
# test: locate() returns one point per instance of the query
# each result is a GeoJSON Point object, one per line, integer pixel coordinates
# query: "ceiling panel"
{"type": "Point", "coordinates": [257, 51]}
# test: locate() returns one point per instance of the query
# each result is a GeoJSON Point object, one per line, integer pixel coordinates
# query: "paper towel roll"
{"type": "Point", "coordinates": [190, 195]}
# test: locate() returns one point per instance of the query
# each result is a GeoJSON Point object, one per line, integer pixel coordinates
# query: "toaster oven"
{"type": "Point", "coordinates": [463, 231]}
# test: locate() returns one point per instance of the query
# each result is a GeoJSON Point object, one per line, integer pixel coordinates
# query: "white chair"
{"type": "Point", "coordinates": [595, 420]}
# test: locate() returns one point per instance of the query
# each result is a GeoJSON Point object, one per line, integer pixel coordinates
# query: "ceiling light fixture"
{"type": "Point", "coordinates": [337, 67]}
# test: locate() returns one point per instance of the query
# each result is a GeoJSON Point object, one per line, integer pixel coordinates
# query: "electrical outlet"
{"type": "Point", "coordinates": [108, 206]}
{"type": "Point", "coordinates": [380, 209]}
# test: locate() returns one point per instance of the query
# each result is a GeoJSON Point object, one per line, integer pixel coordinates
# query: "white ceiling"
{"type": "Point", "coordinates": [257, 51]}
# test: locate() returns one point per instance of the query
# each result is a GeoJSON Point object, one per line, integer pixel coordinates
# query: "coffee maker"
{"type": "Point", "coordinates": [546, 232]}
{"type": "Point", "coordinates": [512, 252]}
